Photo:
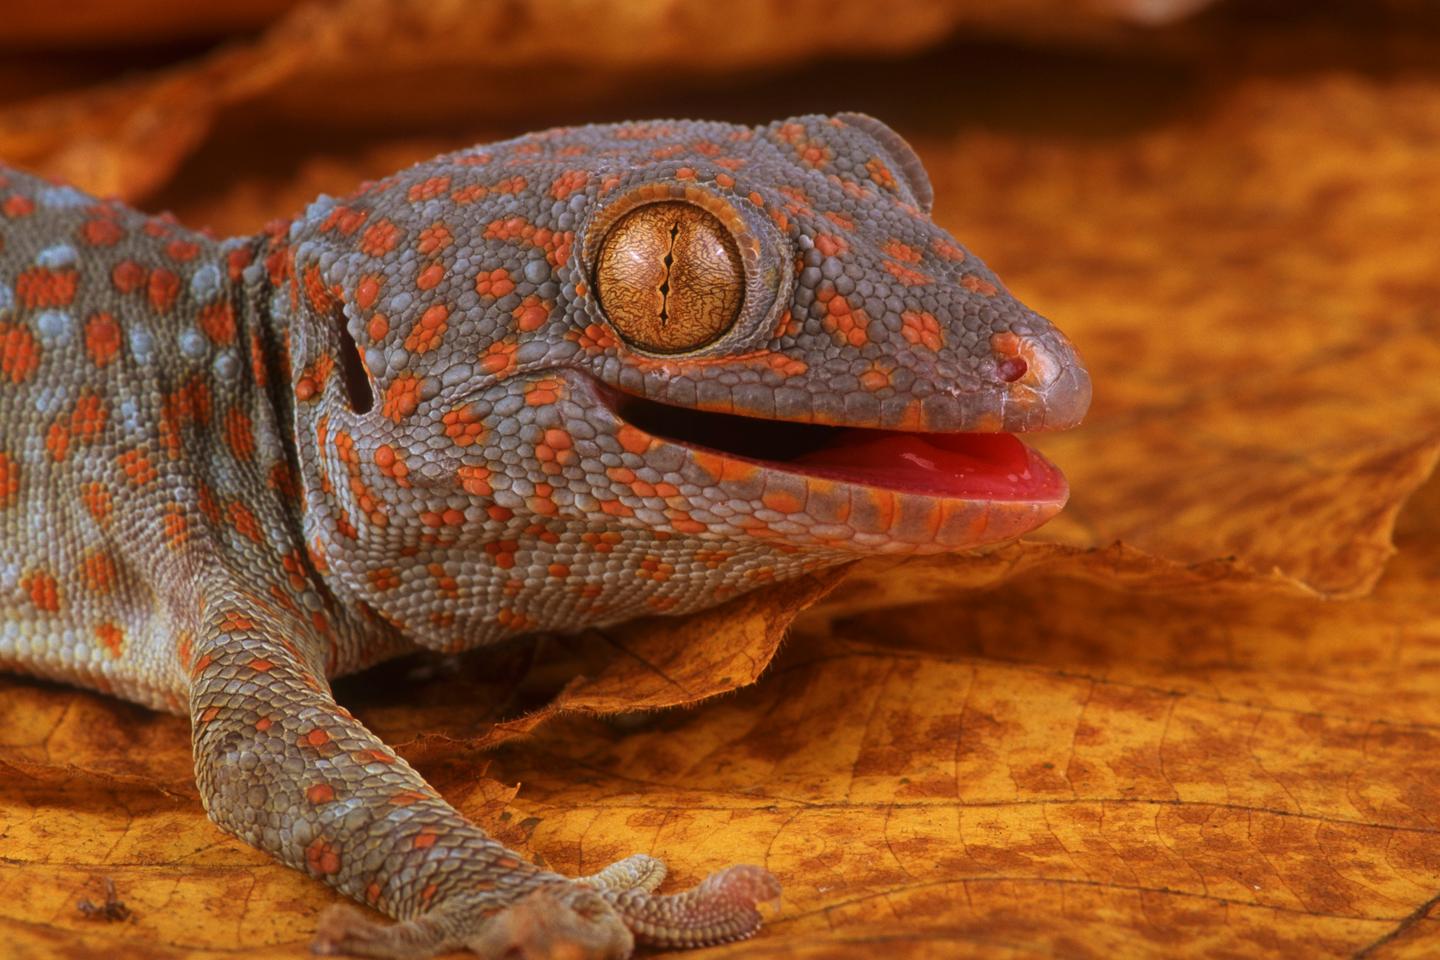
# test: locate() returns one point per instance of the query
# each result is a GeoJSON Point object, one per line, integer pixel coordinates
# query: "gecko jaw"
{"type": "Point", "coordinates": [897, 491]}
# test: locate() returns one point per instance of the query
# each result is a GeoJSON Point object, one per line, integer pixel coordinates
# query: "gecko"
{"type": "Point", "coordinates": [558, 382]}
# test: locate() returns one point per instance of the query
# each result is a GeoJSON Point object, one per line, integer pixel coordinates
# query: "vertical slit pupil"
{"type": "Point", "coordinates": [665, 286]}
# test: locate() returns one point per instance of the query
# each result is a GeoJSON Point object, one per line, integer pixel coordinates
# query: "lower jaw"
{"type": "Point", "coordinates": [858, 491]}
{"type": "Point", "coordinates": [872, 520]}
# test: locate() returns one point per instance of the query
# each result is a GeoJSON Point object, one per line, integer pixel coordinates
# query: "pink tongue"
{"type": "Point", "coordinates": [967, 466]}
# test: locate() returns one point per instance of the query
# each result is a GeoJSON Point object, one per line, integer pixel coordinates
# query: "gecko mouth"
{"type": "Point", "coordinates": [991, 467]}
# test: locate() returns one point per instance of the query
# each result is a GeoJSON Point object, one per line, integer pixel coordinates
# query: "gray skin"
{"type": "Point", "coordinates": [231, 470]}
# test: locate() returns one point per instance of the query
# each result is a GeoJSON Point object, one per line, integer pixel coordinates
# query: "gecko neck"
{"type": "Point", "coordinates": [268, 298]}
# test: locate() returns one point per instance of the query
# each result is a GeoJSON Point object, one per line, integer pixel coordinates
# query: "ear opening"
{"type": "Point", "coordinates": [352, 369]}
{"type": "Point", "coordinates": [901, 154]}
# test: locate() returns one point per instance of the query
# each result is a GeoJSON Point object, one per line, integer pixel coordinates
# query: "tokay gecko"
{"type": "Point", "coordinates": [581, 376]}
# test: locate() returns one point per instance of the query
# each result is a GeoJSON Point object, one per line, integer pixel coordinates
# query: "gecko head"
{"type": "Point", "coordinates": [607, 370]}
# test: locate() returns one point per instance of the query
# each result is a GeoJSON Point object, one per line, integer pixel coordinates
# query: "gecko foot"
{"type": "Point", "coordinates": [599, 917]}
{"type": "Point", "coordinates": [562, 921]}
{"type": "Point", "coordinates": [722, 908]}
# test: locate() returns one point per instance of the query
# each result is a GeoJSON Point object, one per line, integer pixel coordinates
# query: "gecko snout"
{"type": "Point", "coordinates": [1043, 382]}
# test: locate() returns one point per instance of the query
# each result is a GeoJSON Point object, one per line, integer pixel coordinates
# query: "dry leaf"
{"type": "Point", "coordinates": [1052, 769]}
{"type": "Point", "coordinates": [403, 61]}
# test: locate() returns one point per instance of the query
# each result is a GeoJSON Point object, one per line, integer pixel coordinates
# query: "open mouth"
{"type": "Point", "coordinates": [986, 467]}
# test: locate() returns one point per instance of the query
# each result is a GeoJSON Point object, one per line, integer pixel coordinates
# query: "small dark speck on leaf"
{"type": "Point", "coordinates": [113, 910]}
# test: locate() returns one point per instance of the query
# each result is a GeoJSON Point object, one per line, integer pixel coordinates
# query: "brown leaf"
{"type": "Point", "coordinates": [399, 61]}
{"type": "Point", "coordinates": [1053, 768]}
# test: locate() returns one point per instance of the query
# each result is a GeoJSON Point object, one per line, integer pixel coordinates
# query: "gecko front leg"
{"type": "Point", "coordinates": [286, 769]}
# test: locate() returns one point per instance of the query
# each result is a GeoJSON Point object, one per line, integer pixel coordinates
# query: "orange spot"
{"type": "Point", "coordinates": [976, 285]}
{"type": "Point", "coordinates": [531, 313]}
{"type": "Point", "coordinates": [19, 352]}
{"type": "Point", "coordinates": [922, 329]}
{"type": "Point", "coordinates": [379, 238]}
{"type": "Point", "coordinates": [235, 621]}
{"type": "Point", "coordinates": [97, 500]}
{"type": "Point", "coordinates": [378, 327]}
{"type": "Point", "coordinates": [425, 839]}
{"type": "Point", "coordinates": [102, 233]}
{"type": "Point", "coordinates": [594, 337]}
{"type": "Point", "coordinates": [881, 174]}
{"type": "Point", "coordinates": [368, 291]}
{"type": "Point", "coordinates": [568, 182]}
{"type": "Point", "coordinates": [429, 330]}
{"type": "Point", "coordinates": [783, 501]}
{"type": "Point", "coordinates": [128, 276]}
{"type": "Point", "coordinates": [315, 738]}
{"type": "Point", "coordinates": [907, 276]}
{"type": "Point", "coordinates": [428, 189]}
{"type": "Point", "coordinates": [217, 321]}
{"type": "Point", "coordinates": [111, 637]}
{"type": "Point", "coordinates": [102, 338]}
{"type": "Point", "coordinates": [847, 324]}
{"type": "Point", "coordinates": [433, 239]}
{"type": "Point", "coordinates": [44, 287]}
{"type": "Point", "coordinates": [43, 590]}
{"type": "Point", "coordinates": [182, 251]}
{"type": "Point", "coordinates": [17, 206]}
{"type": "Point", "coordinates": [244, 522]}
{"type": "Point", "coordinates": [322, 857]}
{"type": "Point", "coordinates": [318, 793]}
{"type": "Point", "coordinates": [163, 288]}
{"type": "Point", "coordinates": [9, 480]}
{"type": "Point", "coordinates": [98, 570]}
{"type": "Point", "coordinates": [494, 283]}
{"type": "Point", "coordinates": [499, 358]}
{"type": "Point", "coordinates": [874, 379]}
{"type": "Point", "coordinates": [947, 249]}
{"type": "Point", "coordinates": [402, 396]}
{"type": "Point", "coordinates": [392, 464]}
{"type": "Point", "coordinates": [902, 251]}
{"type": "Point", "coordinates": [831, 245]}
{"type": "Point", "coordinates": [463, 425]}
{"type": "Point", "coordinates": [372, 756]}
{"type": "Point", "coordinates": [239, 433]}
{"type": "Point", "coordinates": [475, 480]}
{"type": "Point", "coordinates": [384, 578]}
{"type": "Point", "coordinates": [57, 441]}
{"type": "Point", "coordinates": [430, 277]}
{"type": "Point", "coordinates": [632, 439]}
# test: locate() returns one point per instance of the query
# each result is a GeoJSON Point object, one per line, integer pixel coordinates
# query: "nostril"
{"type": "Point", "coordinates": [1011, 369]}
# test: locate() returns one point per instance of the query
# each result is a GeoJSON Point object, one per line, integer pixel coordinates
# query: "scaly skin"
{"type": "Point", "coordinates": [231, 470]}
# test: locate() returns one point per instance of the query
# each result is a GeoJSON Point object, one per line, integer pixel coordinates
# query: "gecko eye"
{"type": "Point", "coordinates": [669, 277]}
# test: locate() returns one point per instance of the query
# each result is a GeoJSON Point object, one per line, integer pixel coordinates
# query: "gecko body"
{"type": "Point", "coordinates": [562, 381]}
